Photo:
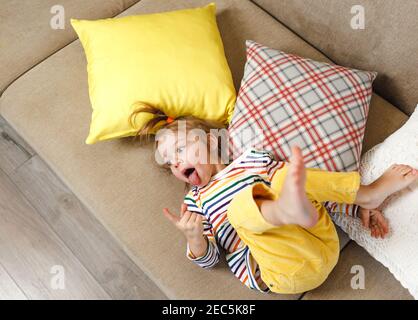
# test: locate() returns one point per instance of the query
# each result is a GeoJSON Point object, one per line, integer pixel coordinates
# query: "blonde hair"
{"type": "Point", "coordinates": [161, 121]}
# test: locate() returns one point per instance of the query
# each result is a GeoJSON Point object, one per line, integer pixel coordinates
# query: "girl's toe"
{"type": "Point", "coordinates": [412, 174]}
{"type": "Point", "coordinates": [406, 170]}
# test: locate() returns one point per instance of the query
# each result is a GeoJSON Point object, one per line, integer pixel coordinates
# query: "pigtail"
{"type": "Point", "coordinates": [147, 131]}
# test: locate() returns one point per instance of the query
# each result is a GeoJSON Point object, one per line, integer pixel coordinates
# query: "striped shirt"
{"type": "Point", "coordinates": [212, 202]}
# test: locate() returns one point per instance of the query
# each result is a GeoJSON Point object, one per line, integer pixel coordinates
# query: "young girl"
{"type": "Point", "coordinates": [268, 215]}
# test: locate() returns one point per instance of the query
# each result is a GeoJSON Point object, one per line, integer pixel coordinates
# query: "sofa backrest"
{"type": "Point", "coordinates": [30, 31]}
{"type": "Point", "coordinates": [388, 43]}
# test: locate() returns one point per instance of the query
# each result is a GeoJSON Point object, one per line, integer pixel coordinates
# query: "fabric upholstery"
{"type": "Point", "coordinates": [287, 100]}
{"type": "Point", "coordinates": [26, 37]}
{"type": "Point", "coordinates": [117, 180]}
{"type": "Point", "coordinates": [388, 44]}
{"type": "Point", "coordinates": [155, 59]}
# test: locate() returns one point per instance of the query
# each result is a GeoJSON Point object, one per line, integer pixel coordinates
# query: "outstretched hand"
{"type": "Point", "coordinates": [190, 223]}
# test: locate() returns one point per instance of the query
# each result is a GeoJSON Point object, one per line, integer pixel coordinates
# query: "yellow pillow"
{"type": "Point", "coordinates": [172, 60]}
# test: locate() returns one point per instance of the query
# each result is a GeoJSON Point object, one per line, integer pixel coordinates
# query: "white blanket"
{"type": "Point", "coordinates": [399, 250]}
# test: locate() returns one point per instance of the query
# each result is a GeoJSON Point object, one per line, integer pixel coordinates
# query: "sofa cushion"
{"type": "Point", "coordinates": [287, 100]}
{"type": "Point", "coordinates": [155, 59]}
{"type": "Point", "coordinates": [117, 180]}
{"type": "Point", "coordinates": [388, 44]}
{"type": "Point", "coordinates": [27, 38]}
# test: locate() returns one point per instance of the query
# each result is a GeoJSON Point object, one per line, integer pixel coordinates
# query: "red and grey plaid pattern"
{"type": "Point", "coordinates": [287, 100]}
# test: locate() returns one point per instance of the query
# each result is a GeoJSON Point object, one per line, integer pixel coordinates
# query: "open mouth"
{"type": "Point", "coordinates": [192, 176]}
{"type": "Point", "coordinates": [188, 172]}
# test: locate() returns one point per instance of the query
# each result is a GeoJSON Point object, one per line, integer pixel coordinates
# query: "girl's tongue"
{"type": "Point", "coordinates": [194, 178]}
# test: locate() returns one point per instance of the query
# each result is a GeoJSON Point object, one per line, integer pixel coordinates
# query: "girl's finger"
{"type": "Point", "coordinates": [378, 234]}
{"type": "Point", "coordinates": [382, 232]}
{"type": "Point", "coordinates": [384, 227]}
{"type": "Point", "coordinates": [374, 231]}
{"type": "Point", "coordinates": [198, 217]}
{"type": "Point", "coordinates": [170, 216]}
{"type": "Point", "coordinates": [365, 217]}
{"type": "Point", "coordinates": [183, 209]}
{"type": "Point", "coordinates": [192, 218]}
{"type": "Point", "coordinates": [383, 223]}
{"type": "Point", "coordinates": [185, 217]}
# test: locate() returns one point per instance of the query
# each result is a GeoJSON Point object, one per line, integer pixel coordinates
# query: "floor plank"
{"type": "Point", "coordinates": [83, 233]}
{"type": "Point", "coordinates": [29, 250]}
{"type": "Point", "coordinates": [13, 150]}
{"type": "Point", "coordinates": [379, 283]}
{"type": "Point", "coordinates": [9, 290]}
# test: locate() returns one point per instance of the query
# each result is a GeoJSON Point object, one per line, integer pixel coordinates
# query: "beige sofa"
{"type": "Point", "coordinates": [43, 81]}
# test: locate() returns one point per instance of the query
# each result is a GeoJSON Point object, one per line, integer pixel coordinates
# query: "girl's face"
{"type": "Point", "coordinates": [187, 158]}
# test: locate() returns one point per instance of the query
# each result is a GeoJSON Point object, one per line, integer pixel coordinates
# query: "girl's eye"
{"type": "Point", "coordinates": [180, 149]}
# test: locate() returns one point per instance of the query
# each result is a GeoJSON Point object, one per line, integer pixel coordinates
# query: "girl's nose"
{"type": "Point", "coordinates": [176, 163]}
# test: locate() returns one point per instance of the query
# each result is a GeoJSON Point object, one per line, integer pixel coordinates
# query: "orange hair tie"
{"type": "Point", "coordinates": [170, 119]}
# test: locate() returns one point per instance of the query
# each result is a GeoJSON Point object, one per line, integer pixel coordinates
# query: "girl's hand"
{"type": "Point", "coordinates": [375, 221]}
{"type": "Point", "coordinates": [189, 223]}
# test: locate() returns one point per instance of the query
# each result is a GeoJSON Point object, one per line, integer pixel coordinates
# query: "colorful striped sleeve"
{"type": "Point", "coordinates": [212, 255]}
{"type": "Point", "coordinates": [334, 208]}
{"type": "Point", "coordinates": [191, 201]}
{"type": "Point", "coordinates": [263, 163]}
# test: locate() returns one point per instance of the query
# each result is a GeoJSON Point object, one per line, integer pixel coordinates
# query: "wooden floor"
{"type": "Point", "coordinates": [47, 238]}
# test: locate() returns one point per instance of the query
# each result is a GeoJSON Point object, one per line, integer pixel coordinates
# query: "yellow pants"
{"type": "Point", "coordinates": [293, 259]}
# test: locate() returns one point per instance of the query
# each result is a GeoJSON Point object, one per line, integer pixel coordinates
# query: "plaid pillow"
{"type": "Point", "coordinates": [287, 100]}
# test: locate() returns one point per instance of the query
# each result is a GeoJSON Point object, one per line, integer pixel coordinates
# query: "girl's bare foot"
{"type": "Point", "coordinates": [293, 207]}
{"type": "Point", "coordinates": [375, 221]}
{"type": "Point", "coordinates": [395, 178]}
